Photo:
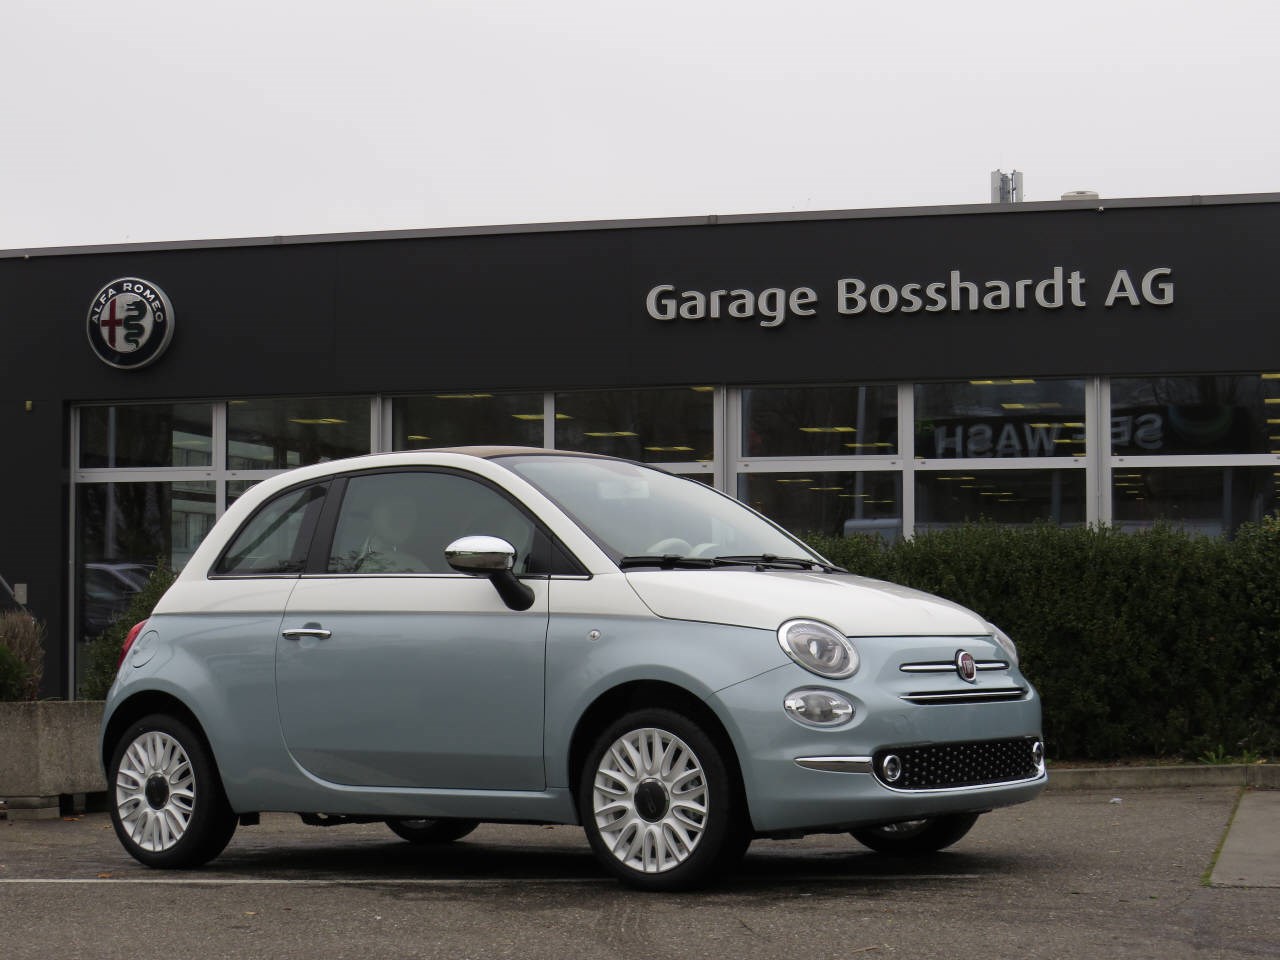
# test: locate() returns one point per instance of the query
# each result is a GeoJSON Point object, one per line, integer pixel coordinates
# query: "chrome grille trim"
{"type": "Point", "coordinates": [991, 695]}
{"type": "Point", "coordinates": [949, 666]}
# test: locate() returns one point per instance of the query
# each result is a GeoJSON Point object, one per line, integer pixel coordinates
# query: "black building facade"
{"type": "Point", "coordinates": [869, 372]}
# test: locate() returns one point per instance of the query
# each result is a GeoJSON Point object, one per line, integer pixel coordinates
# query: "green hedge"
{"type": "Point", "coordinates": [1157, 643]}
{"type": "Point", "coordinates": [103, 653]}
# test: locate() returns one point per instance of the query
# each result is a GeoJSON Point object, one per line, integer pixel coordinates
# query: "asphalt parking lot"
{"type": "Point", "coordinates": [1073, 874]}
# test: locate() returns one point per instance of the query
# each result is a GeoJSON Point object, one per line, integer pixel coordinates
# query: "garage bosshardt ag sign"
{"type": "Point", "coordinates": [773, 306]}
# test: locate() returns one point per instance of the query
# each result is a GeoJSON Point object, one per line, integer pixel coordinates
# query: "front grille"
{"type": "Point", "coordinates": [944, 765]}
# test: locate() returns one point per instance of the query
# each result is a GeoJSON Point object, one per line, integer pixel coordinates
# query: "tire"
{"type": "Point", "coordinates": [431, 831]}
{"type": "Point", "coordinates": [660, 802]}
{"type": "Point", "coordinates": [167, 805]}
{"type": "Point", "coordinates": [913, 838]}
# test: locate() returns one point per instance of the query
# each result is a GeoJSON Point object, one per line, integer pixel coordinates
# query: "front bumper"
{"type": "Point", "coordinates": [800, 779]}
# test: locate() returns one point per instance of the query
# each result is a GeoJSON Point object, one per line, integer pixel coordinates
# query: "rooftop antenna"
{"type": "Point", "coordinates": [1006, 187]}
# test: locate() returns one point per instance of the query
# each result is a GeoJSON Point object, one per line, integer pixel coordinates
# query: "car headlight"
{"type": "Point", "coordinates": [1006, 644]}
{"type": "Point", "coordinates": [819, 648]}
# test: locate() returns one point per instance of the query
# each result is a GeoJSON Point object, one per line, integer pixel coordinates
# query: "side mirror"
{"type": "Point", "coordinates": [494, 558]}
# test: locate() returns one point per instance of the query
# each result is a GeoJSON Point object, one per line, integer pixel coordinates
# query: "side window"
{"type": "Point", "coordinates": [275, 540]}
{"type": "Point", "coordinates": [402, 522]}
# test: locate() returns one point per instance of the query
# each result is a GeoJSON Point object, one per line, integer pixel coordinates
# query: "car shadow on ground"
{"type": "Point", "coordinates": [767, 864]}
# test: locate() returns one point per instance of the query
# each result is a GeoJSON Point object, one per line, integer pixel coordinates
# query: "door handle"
{"type": "Point", "coordinates": [297, 632]}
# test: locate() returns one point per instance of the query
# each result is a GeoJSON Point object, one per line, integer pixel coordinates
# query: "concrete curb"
{"type": "Point", "coordinates": [1198, 775]}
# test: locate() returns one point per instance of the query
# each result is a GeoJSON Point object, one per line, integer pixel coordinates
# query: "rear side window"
{"type": "Point", "coordinates": [276, 539]}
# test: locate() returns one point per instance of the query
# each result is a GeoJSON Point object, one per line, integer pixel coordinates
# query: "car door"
{"type": "Point", "coordinates": [391, 669]}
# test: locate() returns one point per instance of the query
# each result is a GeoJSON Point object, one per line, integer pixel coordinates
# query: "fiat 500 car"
{"type": "Point", "coordinates": [440, 638]}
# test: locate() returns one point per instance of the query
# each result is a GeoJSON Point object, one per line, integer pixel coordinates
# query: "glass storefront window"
{"type": "Point", "coordinates": [279, 434]}
{"type": "Point", "coordinates": [652, 426]}
{"type": "Point", "coordinates": [146, 435]}
{"type": "Point", "coordinates": [1181, 415]}
{"type": "Point", "coordinates": [123, 529]}
{"type": "Point", "coordinates": [1001, 496]}
{"type": "Point", "coordinates": [463, 419]}
{"type": "Point", "coordinates": [819, 421]}
{"type": "Point", "coordinates": [237, 488]}
{"type": "Point", "coordinates": [1000, 418]}
{"type": "Point", "coordinates": [835, 504]}
{"type": "Point", "coordinates": [1208, 500]}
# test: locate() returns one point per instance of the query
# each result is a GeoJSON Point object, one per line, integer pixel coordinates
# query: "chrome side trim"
{"type": "Point", "coordinates": [835, 764]}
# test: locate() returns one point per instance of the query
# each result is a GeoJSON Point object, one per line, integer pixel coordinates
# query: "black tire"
{"type": "Point", "coordinates": [431, 831]}
{"type": "Point", "coordinates": [167, 803]}
{"type": "Point", "coordinates": [913, 838]}
{"type": "Point", "coordinates": [664, 794]}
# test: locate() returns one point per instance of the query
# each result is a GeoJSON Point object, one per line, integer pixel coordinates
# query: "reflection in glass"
{"type": "Point", "coordinates": [1172, 415]}
{"type": "Point", "coordinates": [1000, 418]}
{"type": "Point", "coordinates": [236, 489]}
{"type": "Point", "coordinates": [147, 435]}
{"type": "Point", "coordinates": [819, 421]}
{"type": "Point", "coordinates": [466, 419]}
{"type": "Point", "coordinates": [1001, 496]}
{"type": "Point", "coordinates": [835, 504]}
{"type": "Point", "coordinates": [123, 529]}
{"type": "Point", "coordinates": [638, 512]}
{"type": "Point", "coordinates": [653, 426]}
{"type": "Point", "coordinates": [1207, 500]}
{"type": "Point", "coordinates": [278, 434]}
{"type": "Point", "coordinates": [276, 539]}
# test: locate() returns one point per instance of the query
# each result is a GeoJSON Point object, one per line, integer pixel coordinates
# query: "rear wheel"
{"type": "Point", "coordinates": [660, 803]}
{"type": "Point", "coordinates": [915, 837]}
{"type": "Point", "coordinates": [168, 807]}
{"type": "Point", "coordinates": [426, 830]}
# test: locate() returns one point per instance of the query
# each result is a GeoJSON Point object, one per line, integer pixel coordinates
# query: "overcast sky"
{"type": "Point", "coordinates": [140, 120]}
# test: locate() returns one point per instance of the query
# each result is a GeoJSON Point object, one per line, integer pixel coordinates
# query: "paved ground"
{"type": "Point", "coordinates": [1074, 874]}
{"type": "Point", "coordinates": [1250, 855]}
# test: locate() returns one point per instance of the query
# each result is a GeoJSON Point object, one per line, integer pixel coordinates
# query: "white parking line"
{"type": "Point", "coordinates": [421, 882]}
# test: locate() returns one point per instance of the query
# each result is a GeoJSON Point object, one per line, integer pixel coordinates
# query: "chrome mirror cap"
{"type": "Point", "coordinates": [480, 555]}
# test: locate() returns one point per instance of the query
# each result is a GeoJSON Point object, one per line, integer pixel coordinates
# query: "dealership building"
{"type": "Point", "coordinates": [884, 372]}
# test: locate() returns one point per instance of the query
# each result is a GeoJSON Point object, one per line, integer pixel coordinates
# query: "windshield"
{"type": "Point", "coordinates": [635, 512]}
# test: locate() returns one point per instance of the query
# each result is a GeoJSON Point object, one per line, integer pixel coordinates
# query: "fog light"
{"type": "Point", "coordinates": [891, 769]}
{"type": "Point", "coordinates": [818, 708]}
{"type": "Point", "coordinates": [1037, 753]}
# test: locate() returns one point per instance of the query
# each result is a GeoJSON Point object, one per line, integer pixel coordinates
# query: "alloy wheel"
{"type": "Point", "coordinates": [650, 800]}
{"type": "Point", "coordinates": [155, 791]}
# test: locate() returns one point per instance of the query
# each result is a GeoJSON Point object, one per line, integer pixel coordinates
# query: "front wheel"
{"type": "Point", "coordinates": [168, 807]}
{"type": "Point", "coordinates": [915, 837]}
{"type": "Point", "coordinates": [432, 831]}
{"type": "Point", "coordinates": [660, 804]}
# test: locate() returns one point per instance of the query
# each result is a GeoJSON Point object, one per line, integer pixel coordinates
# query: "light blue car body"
{"type": "Point", "coordinates": [440, 701]}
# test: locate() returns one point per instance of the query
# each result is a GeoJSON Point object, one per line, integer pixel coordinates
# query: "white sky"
{"type": "Point", "coordinates": [135, 120]}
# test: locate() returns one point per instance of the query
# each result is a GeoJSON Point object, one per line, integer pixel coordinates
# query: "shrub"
{"type": "Point", "coordinates": [21, 655]}
{"type": "Point", "coordinates": [103, 653]}
{"type": "Point", "coordinates": [1158, 642]}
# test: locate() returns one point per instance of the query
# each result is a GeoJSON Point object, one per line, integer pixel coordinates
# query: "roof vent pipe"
{"type": "Point", "coordinates": [1081, 195]}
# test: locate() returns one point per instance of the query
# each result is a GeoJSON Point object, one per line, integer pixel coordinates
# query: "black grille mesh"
{"type": "Point", "coordinates": [943, 765]}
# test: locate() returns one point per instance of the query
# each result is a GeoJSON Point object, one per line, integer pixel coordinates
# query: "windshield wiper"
{"type": "Point", "coordinates": [666, 561]}
{"type": "Point", "coordinates": [767, 561]}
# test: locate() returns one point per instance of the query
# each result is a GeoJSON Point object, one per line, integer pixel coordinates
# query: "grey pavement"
{"type": "Point", "coordinates": [1250, 854]}
{"type": "Point", "coordinates": [1077, 873]}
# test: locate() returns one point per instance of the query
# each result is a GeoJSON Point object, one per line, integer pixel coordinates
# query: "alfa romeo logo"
{"type": "Point", "coordinates": [130, 323]}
